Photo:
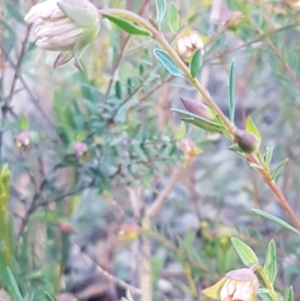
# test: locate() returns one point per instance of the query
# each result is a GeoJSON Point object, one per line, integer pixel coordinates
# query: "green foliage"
{"type": "Point", "coordinates": [246, 254]}
{"type": "Point", "coordinates": [196, 63]}
{"type": "Point", "coordinates": [167, 62]}
{"type": "Point", "coordinates": [174, 18]}
{"type": "Point", "coordinates": [127, 26]}
{"type": "Point", "coordinates": [104, 148]}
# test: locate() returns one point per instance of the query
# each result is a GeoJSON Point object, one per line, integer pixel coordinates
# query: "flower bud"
{"type": "Point", "coordinates": [23, 140]}
{"type": "Point", "coordinates": [66, 25]}
{"type": "Point", "coordinates": [197, 108]}
{"type": "Point", "coordinates": [188, 42]}
{"type": "Point", "coordinates": [129, 232]}
{"type": "Point", "coordinates": [235, 18]}
{"type": "Point", "coordinates": [81, 151]}
{"type": "Point", "coordinates": [190, 149]}
{"type": "Point", "coordinates": [247, 142]}
{"type": "Point", "coordinates": [237, 285]}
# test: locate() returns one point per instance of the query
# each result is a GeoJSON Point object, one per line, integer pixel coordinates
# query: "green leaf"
{"type": "Point", "coordinates": [167, 62]}
{"type": "Point", "coordinates": [127, 26]}
{"type": "Point", "coordinates": [196, 63]}
{"type": "Point", "coordinates": [276, 220]}
{"type": "Point", "coordinates": [270, 266]}
{"type": "Point", "coordinates": [251, 128]}
{"type": "Point", "coordinates": [196, 119]}
{"type": "Point", "coordinates": [24, 123]}
{"type": "Point", "coordinates": [161, 8]}
{"type": "Point", "coordinates": [81, 136]}
{"type": "Point", "coordinates": [181, 131]}
{"type": "Point", "coordinates": [174, 19]}
{"type": "Point", "coordinates": [268, 155]}
{"type": "Point", "coordinates": [14, 12]}
{"type": "Point", "coordinates": [278, 169]}
{"type": "Point", "coordinates": [245, 253]}
{"type": "Point", "coordinates": [118, 89]}
{"type": "Point", "coordinates": [49, 297]}
{"type": "Point", "coordinates": [289, 296]}
{"type": "Point", "coordinates": [14, 285]}
{"type": "Point", "coordinates": [232, 93]}
{"type": "Point", "coordinates": [202, 124]}
{"type": "Point", "coordinates": [265, 296]}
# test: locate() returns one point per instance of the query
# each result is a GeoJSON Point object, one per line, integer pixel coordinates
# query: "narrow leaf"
{"type": "Point", "coordinates": [49, 297]}
{"type": "Point", "coordinates": [270, 266]}
{"type": "Point", "coordinates": [202, 124]}
{"type": "Point", "coordinates": [245, 253]}
{"type": "Point", "coordinates": [251, 128]}
{"type": "Point", "coordinates": [232, 93]}
{"type": "Point", "coordinates": [289, 295]}
{"type": "Point", "coordinates": [127, 26]}
{"type": "Point", "coordinates": [14, 284]}
{"type": "Point", "coordinates": [269, 155]}
{"type": "Point", "coordinates": [276, 220]}
{"type": "Point", "coordinates": [278, 169]}
{"type": "Point", "coordinates": [181, 131]}
{"type": "Point", "coordinates": [161, 8]}
{"type": "Point", "coordinates": [174, 19]}
{"type": "Point", "coordinates": [167, 62]}
{"type": "Point", "coordinates": [196, 117]}
{"type": "Point", "coordinates": [196, 63]}
{"type": "Point", "coordinates": [118, 89]}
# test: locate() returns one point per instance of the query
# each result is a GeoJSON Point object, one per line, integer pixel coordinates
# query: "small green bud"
{"type": "Point", "coordinates": [247, 142]}
{"type": "Point", "coordinates": [197, 108]}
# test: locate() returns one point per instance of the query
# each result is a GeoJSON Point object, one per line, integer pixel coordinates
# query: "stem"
{"type": "Point", "coordinates": [269, 285]}
{"type": "Point", "coordinates": [159, 38]}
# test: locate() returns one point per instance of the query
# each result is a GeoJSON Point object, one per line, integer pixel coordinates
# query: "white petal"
{"type": "Point", "coordinates": [227, 290]}
{"type": "Point", "coordinates": [43, 10]}
{"type": "Point", "coordinates": [194, 38]}
{"type": "Point", "coordinates": [243, 291]}
{"type": "Point", "coordinates": [66, 40]}
{"type": "Point", "coordinates": [53, 28]}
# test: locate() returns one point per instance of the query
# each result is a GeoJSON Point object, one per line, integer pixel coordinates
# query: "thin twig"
{"type": "Point", "coordinates": [162, 197]}
{"type": "Point", "coordinates": [107, 275]}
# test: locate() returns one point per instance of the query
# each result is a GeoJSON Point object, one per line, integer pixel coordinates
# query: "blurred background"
{"type": "Point", "coordinates": [91, 151]}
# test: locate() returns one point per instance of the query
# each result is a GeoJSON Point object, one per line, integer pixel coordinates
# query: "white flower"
{"type": "Point", "coordinates": [237, 285]}
{"type": "Point", "coordinates": [241, 284]}
{"type": "Point", "coordinates": [188, 43]}
{"type": "Point", "coordinates": [66, 25]}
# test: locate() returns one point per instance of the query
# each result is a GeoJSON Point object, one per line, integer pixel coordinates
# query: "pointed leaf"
{"type": "Point", "coordinates": [270, 266]}
{"type": "Point", "coordinates": [289, 295]}
{"type": "Point", "coordinates": [167, 62]}
{"type": "Point", "coordinates": [14, 285]}
{"type": "Point", "coordinates": [251, 128]}
{"type": "Point", "coordinates": [276, 220]}
{"type": "Point", "coordinates": [174, 18]}
{"type": "Point", "coordinates": [181, 131]}
{"type": "Point", "coordinates": [196, 63]}
{"type": "Point", "coordinates": [232, 93]}
{"type": "Point", "coordinates": [127, 26]}
{"type": "Point", "coordinates": [161, 8]}
{"type": "Point", "coordinates": [196, 117]}
{"type": "Point", "coordinates": [278, 169]}
{"type": "Point", "coordinates": [202, 124]}
{"type": "Point", "coordinates": [214, 291]}
{"type": "Point", "coordinates": [246, 254]}
{"type": "Point", "coordinates": [269, 155]}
